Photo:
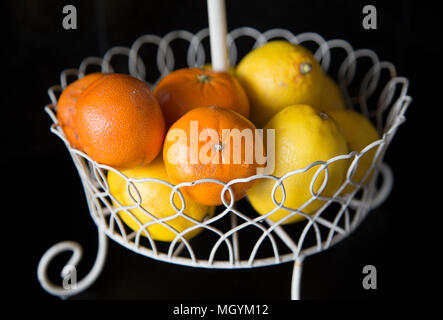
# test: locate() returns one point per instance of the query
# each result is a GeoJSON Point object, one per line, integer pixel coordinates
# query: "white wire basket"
{"type": "Point", "coordinates": [380, 95]}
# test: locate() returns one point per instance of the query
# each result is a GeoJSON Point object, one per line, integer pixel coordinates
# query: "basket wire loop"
{"type": "Point", "coordinates": [319, 231]}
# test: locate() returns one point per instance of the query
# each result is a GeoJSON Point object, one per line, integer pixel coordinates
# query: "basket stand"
{"type": "Point", "coordinates": [388, 116]}
{"type": "Point", "coordinates": [94, 273]}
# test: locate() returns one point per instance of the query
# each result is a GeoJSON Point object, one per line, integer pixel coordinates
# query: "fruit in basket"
{"type": "Point", "coordinates": [66, 106]}
{"type": "Point", "coordinates": [231, 70]}
{"type": "Point", "coordinates": [119, 122]}
{"type": "Point", "coordinates": [330, 96]}
{"type": "Point", "coordinates": [279, 74]}
{"type": "Point", "coordinates": [154, 197]}
{"type": "Point", "coordinates": [211, 143]}
{"type": "Point", "coordinates": [303, 135]}
{"type": "Point", "coordinates": [188, 88]}
{"type": "Point", "coordinates": [359, 132]}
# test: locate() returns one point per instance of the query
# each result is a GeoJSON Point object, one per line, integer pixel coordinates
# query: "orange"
{"type": "Point", "coordinates": [119, 122]}
{"type": "Point", "coordinates": [231, 70]}
{"type": "Point", "coordinates": [196, 147]}
{"type": "Point", "coordinates": [185, 89]}
{"type": "Point", "coordinates": [66, 106]}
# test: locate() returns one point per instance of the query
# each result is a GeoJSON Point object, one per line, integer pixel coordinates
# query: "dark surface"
{"type": "Point", "coordinates": [45, 202]}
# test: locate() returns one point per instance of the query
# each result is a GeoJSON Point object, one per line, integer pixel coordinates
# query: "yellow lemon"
{"type": "Point", "coordinates": [359, 132]}
{"type": "Point", "coordinates": [279, 74]}
{"type": "Point", "coordinates": [303, 135]}
{"type": "Point", "coordinates": [330, 96]}
{"type": "Point", "coordinates": [155, 199]}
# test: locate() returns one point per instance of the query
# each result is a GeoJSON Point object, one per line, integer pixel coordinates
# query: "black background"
{"type": "Point", "coordinates": [45, 201]}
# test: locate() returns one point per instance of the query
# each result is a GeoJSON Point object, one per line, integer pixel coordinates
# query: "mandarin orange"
{"type": "Point", "coordinates": [66, 106]}
{"type": "Point", "coordinates": [211, 143]}
{"type": "Point", "coordinates": [185, 89]}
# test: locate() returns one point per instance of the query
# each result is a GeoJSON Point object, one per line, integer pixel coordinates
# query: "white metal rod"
{"type": "Point", "coordinates": [284, 236]}
{"type": "Point", "coordinates": [235, 240]}
{"type": "Point", "coordinates": [179, 249]}
{"type": "Point", "coordinates": [296, 280]}
{"type": "Point", "coordinates": [217, 35]}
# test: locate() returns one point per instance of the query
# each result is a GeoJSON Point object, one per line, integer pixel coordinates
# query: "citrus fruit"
{"type": "Point", "coordinates": [359, 133]}
{"type": "Point", "coordinates": [231, 70]}
{"type": "Point", "coordinates": [330, 96]}
{"type": "Point", "coordinates": [276, 75]}
{"type": "Point", "coordinates": [119, 122]}
{"type": "Point", "coordinates": [303, 135]}
{"type": "Point", "coordinates": [207, 143]}
{"type": "Point", "coordinates": [154, 197]}
{"type": "Point", "coordinates": [185, 89]}
{"type": "Point", "coordinates": [66, 106]}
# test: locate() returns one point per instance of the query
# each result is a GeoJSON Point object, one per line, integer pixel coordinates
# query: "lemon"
{"type": "Point", "coordinates": [303, 135]}
{"type": "Point", "coordinates": [155, 199]}
{"type": "Point", "coordinates": [330, 96]}
{"type": "Point", "coordinates": [359, 133]}
{"type": "Point", "coordinates": [279, 74]}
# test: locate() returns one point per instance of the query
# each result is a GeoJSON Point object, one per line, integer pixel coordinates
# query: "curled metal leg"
{"type": "Point", "coordinates": [296, 279]}
{"type": "Point", "coordinates": [77, 252]}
